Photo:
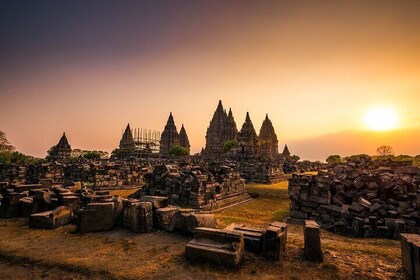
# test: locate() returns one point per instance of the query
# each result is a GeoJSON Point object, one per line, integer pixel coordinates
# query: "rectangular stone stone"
{"type": "Point", "coordinates": [157, 201]}
{"type": "Point", "coordinates": [320, 200]}
{"type": "Point", "coordinates": [253, 236]}
{"type": "Point", "coordinates": [410, 253]}
{"type": "Point", "coordinates": [312, 241]}
{"type": "Point", "coordinates": [275, 240]}
{"type": "Point", "coordinates": [165, 218]}
{"type": "Point", "coordinates": [298, 214]}
{"type": "Point", "coordinates": [141, 216]}
{"type": "Point", "coordinates": [96, 217]}
{"type": "Point", "coordinates": [215, 245]}
{"type": "Point", "coordinates": [58, 217]}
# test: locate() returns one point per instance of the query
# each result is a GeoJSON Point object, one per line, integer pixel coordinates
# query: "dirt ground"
{"type": "Point", "coordinates": [120, 254]}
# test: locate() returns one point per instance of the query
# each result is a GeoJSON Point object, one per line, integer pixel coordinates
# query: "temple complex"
{"type": "Point", "coordinates": [169, 137]}
{"type": "Point", "coordinates": [61, 151]}
{"type": "Point", "coordinates": [222, 128]}
{"type": "Point", "coordinates": [183, 139]}
{"type": "Point", "coordinates": [268, 140]}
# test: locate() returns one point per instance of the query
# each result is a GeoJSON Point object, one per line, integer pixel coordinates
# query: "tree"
{"type": "Point", "coordinates": [333, 159]}
{"type": "Point", "coordinates": [92, 155]}
{"type": "Point", "coordinates": [178, 151]}
{"type": "Point", "coordinates": [5, 145]}
{"type": "Point", "coordinates": [51, 152]}
{"type": "Point", "coordinates": [229, 145]}
{"type": "Point", "coordinates": [385, 150]}
{"type": "Point", "coordinates": [358, 157]}
{"type": "Point", "coordinates": [295, 158]}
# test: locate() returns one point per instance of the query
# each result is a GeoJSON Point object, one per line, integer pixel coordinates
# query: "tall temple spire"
{"type": "Point", "coordinates": [247, 138]}
{"type": "Point", "coordinates": [286, 152]}
{"type": "Point", "coordinates": [183, 139]}
{"type": "Point", "coordinates": [127, 140]}
{"type": "Point", "coordinates": [268, 139]}
{"type": "Point", "coordinates": [215, 132]}
{"type": "Point", "coordinates": [61, 151]}
{"type": "Point", "coordinates": [230, 132]}
{"type": "Point", "coordinates": [169, 137]}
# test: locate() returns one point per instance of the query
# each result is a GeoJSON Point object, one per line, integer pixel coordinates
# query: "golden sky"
{"type": "Point", "coordinates": [316, 68]}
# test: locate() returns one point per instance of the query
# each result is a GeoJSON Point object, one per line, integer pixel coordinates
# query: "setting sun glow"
{"type": "Point", "coordinates": [381, 119]}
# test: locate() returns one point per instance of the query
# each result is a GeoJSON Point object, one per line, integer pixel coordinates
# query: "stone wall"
{"type": "Point", "coordinates": [261, 172]}
{"type": "Point", "coordinates": [98, 174]}
{"type": "Point", "coordinates": [364, 199]}
{"type": "Point", "coordinates": [196, 187]}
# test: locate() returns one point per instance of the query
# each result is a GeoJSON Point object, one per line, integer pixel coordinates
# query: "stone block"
{"type": "Point", "coordinates": [9, 207]}
{"type": "Point", "coordinates": [71, 201]}
{"type": "Point", "coordinates": [358, 227]}
{"type": "Point", "coordinates": [25, 206]}
{"type": "Point", "coordinates": [215, 245]}
{"type": "Point", "coordinates": [157, 201]}
{"type": "Point", "coordinates": [196, 220]}
{"type": "Point", "coordinates": [165, 218]}
{"type": "Point", "coordinates": [96, 217]}
{"type": "Point", "coordinates": [253, 236]}
{"type": "Point", "coordinates": [312, 241]}
{"type": "Point", "coordinates": [410, 253]}
{"type": "Point", "coordinates": [141, 216]}
{"type": "Point", "coordinates": [275, 239]}
{"type": "Point", "coordinates": [58, 217]}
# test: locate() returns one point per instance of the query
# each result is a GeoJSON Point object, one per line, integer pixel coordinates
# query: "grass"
{"type": "Point", "coordinates": [121, 254]}
{"type": "Point", "coordinates": [271, 204]}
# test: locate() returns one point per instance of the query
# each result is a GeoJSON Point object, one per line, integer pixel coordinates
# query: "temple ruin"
{"type": "Point", "coordinates": [222, 128]}
{"type": "Point", "coordinates": [61, 151]}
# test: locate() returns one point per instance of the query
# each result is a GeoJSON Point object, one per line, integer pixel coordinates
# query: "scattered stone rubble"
{"type": "Point", "coordinates": [196, 187]}
{"type": "Point", "coordinates": [99, 174]}
{"type": "Point", "coordinates": [362, 198]}
{"type": "Point", "coordinates": [93, 211]}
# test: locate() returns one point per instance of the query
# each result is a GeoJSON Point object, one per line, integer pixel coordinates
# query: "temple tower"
{"type": "Point", "coordinates": [61, 151]}
{"type": "Point", "coordinates": [183, 139]}
{"type": "Point", "coordinates": [247, 138]}
{"type": "Point", "coordinates": [214, 135]}
{"type": "Point", "coordinates": [268, 141]}
{"type": "Point", "coordinates": [286, 152]}
{"type": "Point", "coordinates": [230, 132]}
{"type": "Point", "coordinates": [169, 137]}
{"type": "Point", "coordinates": [127, 140]}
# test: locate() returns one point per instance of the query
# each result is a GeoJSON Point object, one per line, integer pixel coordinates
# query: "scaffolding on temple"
{"type": "Point", "coordinates": [146, 143]}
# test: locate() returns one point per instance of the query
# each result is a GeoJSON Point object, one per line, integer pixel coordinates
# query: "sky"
{"type": "Point", "coordinates": [315, 67]}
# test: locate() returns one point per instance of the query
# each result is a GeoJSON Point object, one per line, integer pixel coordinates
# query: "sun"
{"type": "Point", "coordinates": [381, 118]}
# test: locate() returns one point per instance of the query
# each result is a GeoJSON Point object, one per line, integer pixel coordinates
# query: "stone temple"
{"type": "Point", "coordinates": [171, 138]}
{"type": "Point", "coordinates": [183, 139]}
{"type": "Point", "coordinates": [127, 140]}
{"type": "Point", "coordinates": [269, 145]}
{"type": "Point", "coordinates": [222, 128]}
{"type": "Point", "coordinates": [247, 138]}
{"type": "Point", "coordinates": [62, 150]}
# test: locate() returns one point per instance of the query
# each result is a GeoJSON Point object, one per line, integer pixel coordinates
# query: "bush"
{"type": "Point", "coordinates": [178, 151]}
{"type": "Point", "coordinates": [229, 145]}
{"type": "Point", "coordinates": [333, 159]}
